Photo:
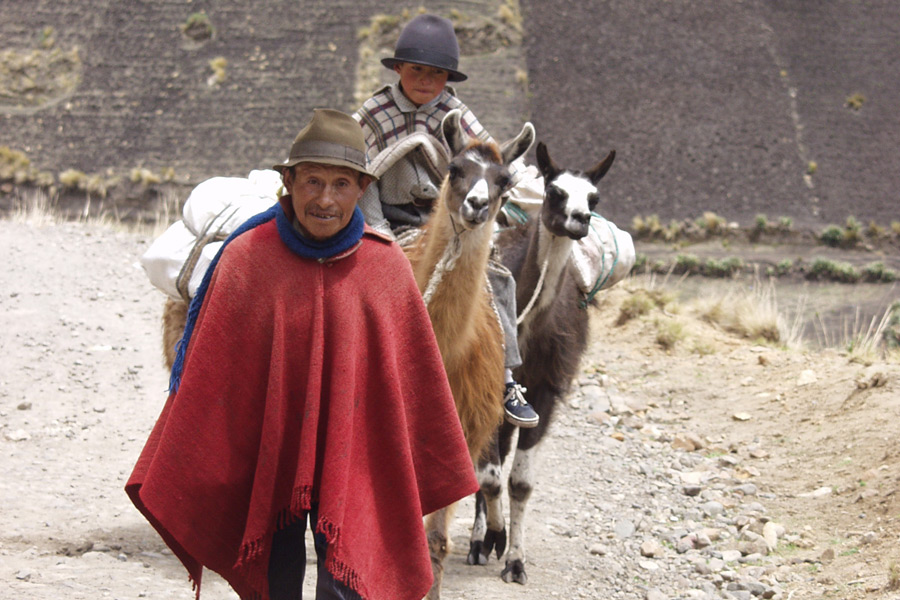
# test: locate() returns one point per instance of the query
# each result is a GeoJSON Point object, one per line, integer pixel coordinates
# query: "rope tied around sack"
{"type": "Point", "coordinates": [206, 237]}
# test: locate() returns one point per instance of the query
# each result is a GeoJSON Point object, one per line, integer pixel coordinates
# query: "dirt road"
{"type": "Point", "coordinates": [659, 468]}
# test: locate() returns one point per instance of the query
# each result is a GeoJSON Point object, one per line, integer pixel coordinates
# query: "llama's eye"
{"type": "Point", "coordinates": [454, 171]}
{"type": "Point", "coordinates": [593, 199]}
{"type": "Point", "coordinates": [555, 195]}
{"type": "Point", "coordinates": [503, 182]}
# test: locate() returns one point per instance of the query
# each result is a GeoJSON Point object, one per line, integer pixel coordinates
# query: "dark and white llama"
{"type": "Point", "coordinates": [553, 329]}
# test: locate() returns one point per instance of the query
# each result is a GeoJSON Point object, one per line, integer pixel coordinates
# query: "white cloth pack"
{"type": "Point", "coordinates": [215, 206]}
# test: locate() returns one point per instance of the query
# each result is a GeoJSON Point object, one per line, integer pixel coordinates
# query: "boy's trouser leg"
{"type": "Point", "coordinates": [503, 289]}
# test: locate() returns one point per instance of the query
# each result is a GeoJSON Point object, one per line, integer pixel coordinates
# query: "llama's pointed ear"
{"type": "Point", "coordinates": [597, 173]}
{"type": "Point", "coordinates": [453, 132]}
{"type": "Point", "coordinates": [519, 145]}
{"type": "Point", "coordinates": [545, 164]}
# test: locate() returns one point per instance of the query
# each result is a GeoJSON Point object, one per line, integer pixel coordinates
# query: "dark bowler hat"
{"type": "Point", "coordinates": [428, 40]}
{"type": "Point", "coordinates": [331, 138]}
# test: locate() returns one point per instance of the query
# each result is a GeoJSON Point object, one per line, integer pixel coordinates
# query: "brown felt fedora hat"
{"type": "Point", "coordinates": [330, 138]}
{"type": "Point", "coordinates": [428, 40]}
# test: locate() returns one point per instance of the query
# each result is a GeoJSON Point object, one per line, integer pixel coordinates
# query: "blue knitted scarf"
{"type": "Point", "coordinates": [345, 239]}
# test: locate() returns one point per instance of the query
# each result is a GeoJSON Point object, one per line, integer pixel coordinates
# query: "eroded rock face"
{"type": "Point", "coordinates": [768, 108]}
{"type": "Point", "coordinates": [37, 78]}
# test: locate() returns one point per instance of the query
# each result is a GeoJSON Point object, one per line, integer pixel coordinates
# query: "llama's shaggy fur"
{"type": "Point", "coordinates": [552, 338]}
{"type": "Point", "coordinates": [174, 318]}
{"type": "Point", "coordinates": [466, 328]}
{"type": "Point", "coordinates": [465, 324]}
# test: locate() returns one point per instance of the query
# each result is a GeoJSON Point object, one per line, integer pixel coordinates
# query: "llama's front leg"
{"type": "Point", "coordinates": [521, 483]}
{"type": "Point", "coordinates": [437, 528]}
{"type": "Point", "coordinates": [489, 529]}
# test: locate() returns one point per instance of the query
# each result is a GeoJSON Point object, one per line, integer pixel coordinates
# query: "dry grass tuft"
{"type": "Point", "coordinates": [641, 301]}
{"type": "Point", "coordinates": [751, 316]}
{"type": "Point", "coordinates": [893, 577]}
{"type": "Point", "coordinates": [749, 311]}
{"type": "Point", "coordinates": [893, 582]}
{"type": "Point", "coordinates": [741, 315]}
{"type": "Point", "coordinates": [866, 342]}
{"type": "Point", "coordinates": [669, 332]}
{"type": "Point", "coordinates": [36, 208]}
{"type": "Point", "coordinates": [39, 208]}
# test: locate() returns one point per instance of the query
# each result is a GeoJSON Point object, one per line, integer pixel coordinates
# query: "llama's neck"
{"type": "Point", "coordinates": [454, 295]}
{"type": "Point", "coordinates": [468, 249]}
{"type": "Point", "coordinates": [550, 255]}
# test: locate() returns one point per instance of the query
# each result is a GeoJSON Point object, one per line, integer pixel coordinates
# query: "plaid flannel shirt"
{"type": "Point", "coordinates": [389, 116]}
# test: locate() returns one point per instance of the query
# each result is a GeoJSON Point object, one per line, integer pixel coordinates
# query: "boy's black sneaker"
{"type": "Point", "coordinates": [518, 411]}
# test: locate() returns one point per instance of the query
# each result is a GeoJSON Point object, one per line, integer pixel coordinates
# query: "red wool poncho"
{"type": "Point", "coordinates": [307, 382]}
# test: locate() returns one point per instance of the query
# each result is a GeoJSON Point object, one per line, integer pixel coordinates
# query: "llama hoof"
{"type": "Point", "coordinates": [495, 540]}
{"type": "Point", "coordinates": [514, 572]}
{"type": "Point", "coordinates": [477, 554]}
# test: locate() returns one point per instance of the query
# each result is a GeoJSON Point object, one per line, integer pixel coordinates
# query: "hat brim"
{"type": "Point", "coordinates": [455, 76]}
{"type": "Point", "coordinates": [322, 160]}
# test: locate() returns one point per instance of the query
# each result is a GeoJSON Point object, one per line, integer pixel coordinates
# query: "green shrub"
{"type": "Point", "coordinates": [761, 223]}
{"type": "Point", "coordinates": [760, 226]}
{"type": "Point", "coordinates": [640, 262]}
{"type": "Point", "coordinates": [659, 266]}
{"type": "Point", "coordinates": [892, 331]}
{"type": "Point", "coordinates": [852, 232]}
{"type": "Point", "coordinates": [877, 272]}
{"type": "Point", "coordinates": [785, 223]}
{"type": "Point", "coordinates": [198, 26]}
{"type": "Point", "coordinates": [822, 268]}
{"type": "Point", "coordinates": [845, 273]}
{"type": "Point", "coordinates": [832, 236]}
{"type": "Point", "coordinates": [674, 231]}
{"type": "Point", "coordinates": [711, 223]}
{"type": "Point", "coordinates": [722, 268]}
{"type": "Point", "coordinates": [784, 266]}
{"type": "Point", "coordinates": [874, 230]}
{"type": "Point", "coordinates": [686, 263]}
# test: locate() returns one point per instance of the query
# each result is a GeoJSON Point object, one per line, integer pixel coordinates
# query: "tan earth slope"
{"type": "Point", "coordinates": [717, 440]}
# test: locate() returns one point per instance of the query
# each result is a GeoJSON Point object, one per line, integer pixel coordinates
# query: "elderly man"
{"type": "Point", "coordinates": [308, 387]}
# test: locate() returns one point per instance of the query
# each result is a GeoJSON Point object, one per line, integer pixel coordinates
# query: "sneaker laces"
{"type": "Point", "coordinates": [516, 394]}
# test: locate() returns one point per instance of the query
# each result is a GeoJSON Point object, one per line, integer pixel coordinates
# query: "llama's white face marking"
{"type": "Point", "coordinates": [476, 201]}
{"type": "Point", "coordinates": [477, 184]}
{"type": "Point", "coordinates": [568, 202]}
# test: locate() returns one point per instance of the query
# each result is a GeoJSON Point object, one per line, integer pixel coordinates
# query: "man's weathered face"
{"type": "Point", "coordinates": [323, 197]}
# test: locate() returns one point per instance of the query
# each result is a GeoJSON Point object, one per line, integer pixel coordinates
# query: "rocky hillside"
{"type": "Point", "coordinates": [781, 107]}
